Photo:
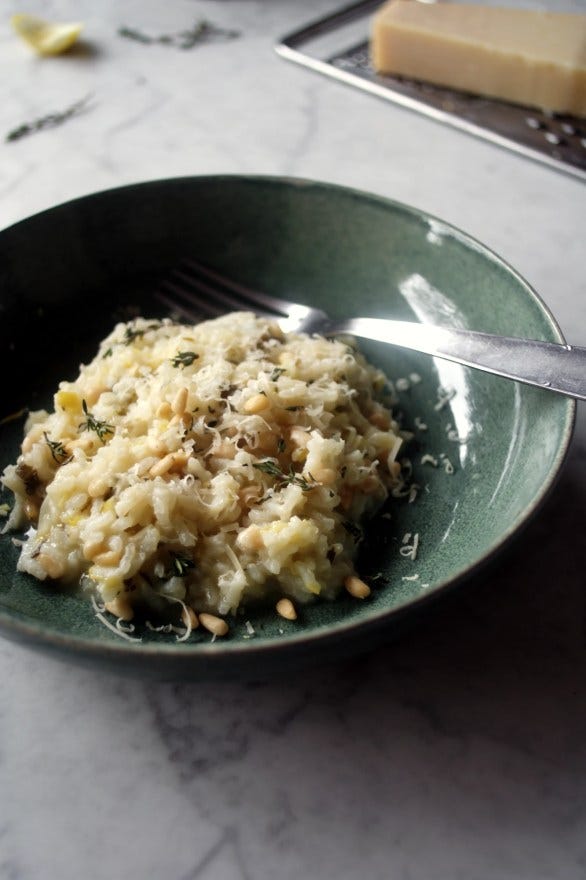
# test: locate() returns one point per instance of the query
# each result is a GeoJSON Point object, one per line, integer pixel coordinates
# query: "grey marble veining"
{"type": "Point", "coordinates": [457, 752]}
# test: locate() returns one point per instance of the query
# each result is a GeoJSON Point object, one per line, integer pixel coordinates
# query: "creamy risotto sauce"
{"type": "Point", "coordinates": [213, 465]}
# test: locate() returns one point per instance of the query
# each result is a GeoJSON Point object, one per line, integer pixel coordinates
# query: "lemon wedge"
{"type": "Point", "coordinates": [45, 37]}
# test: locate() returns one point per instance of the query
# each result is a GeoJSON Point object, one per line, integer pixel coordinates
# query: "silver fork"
{"type": "Point", "coordinates": [196, 291]}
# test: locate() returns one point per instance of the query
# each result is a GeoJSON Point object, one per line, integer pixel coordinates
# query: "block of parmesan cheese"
{"type": "Point", "coordinates": [526, 57]}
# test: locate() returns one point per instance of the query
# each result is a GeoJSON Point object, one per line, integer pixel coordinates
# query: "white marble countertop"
{"type": "Point", "coordinates": [458, 751]}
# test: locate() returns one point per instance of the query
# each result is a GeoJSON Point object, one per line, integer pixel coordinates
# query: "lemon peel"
{"type": "Point", "coordinates": [45, 37]}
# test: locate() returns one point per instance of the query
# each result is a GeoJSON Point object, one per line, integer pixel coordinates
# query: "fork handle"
{"type": "Point", "coordinates": [560, 368]}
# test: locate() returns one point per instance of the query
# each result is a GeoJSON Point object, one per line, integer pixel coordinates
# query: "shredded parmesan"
{"type": "Point", "coordinates": [211, 466]}
{"type": "Point", "coordinates": [408, 549]}
{"type": "Point", "coordinates": [111, 626]}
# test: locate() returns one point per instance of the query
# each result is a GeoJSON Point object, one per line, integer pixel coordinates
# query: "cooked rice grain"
{"type": "Point", "coordinates": [214, 464]}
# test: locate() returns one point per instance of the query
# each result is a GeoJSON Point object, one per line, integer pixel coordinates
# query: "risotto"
{"type": "Point", "coordinates": [211, 465]}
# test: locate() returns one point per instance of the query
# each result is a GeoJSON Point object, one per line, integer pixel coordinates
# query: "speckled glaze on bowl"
{"type": "Point", "coordinates": [68, 274]}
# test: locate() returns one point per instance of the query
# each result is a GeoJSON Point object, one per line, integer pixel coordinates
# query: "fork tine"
{"type": "Point", "coordinates": [179, 300]}
{"type": "Point", "coordinates": [196, 287]}
{"type": "Point", "coordinates": [254, 297]}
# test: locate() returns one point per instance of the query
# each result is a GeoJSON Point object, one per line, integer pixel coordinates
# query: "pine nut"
{"type": "Point", "coordinates": [180, 401]}
{"type": "Point", "coordinates": [256, 404]}
{"type": "Point", "coordinates": [164, 410]}
{"type": "Point", "coordinates": [120, 607]}
{"type": "Point", "coordinates": [213, 624]}
{"type": "Point", "coordinates": [171, 461]}
{"type": "Point", "coordinates": [286, 609]}
{"type": "Point", "coordinates": [189, 618]}
{"type": "Point", "coordinates": [250, 538]}
{"type": "Point", "coordinates": [356, 587]}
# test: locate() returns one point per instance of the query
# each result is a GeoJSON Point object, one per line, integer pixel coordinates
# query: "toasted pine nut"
{"type": "Point", "coordinates": [189, 618]}
{"type": "Point", "coordinates": [108, 557]}
{"type": "Point", "coordinates": [120, 607]}
{"type": "Point", "coordinates": [286, 609]}
{"type": "Point", "coordinates": [250, 538]}
{"type": "Point", "coordinates": [180, 402]}
{"type": "Point", "coordinates": [356, 587]}
{"type": "Point", "coordinates": [52, 566]}
{"type": "Point", "coordinates": [213, 624]}
{"type": "Point", "coordinates": [256, 404]}
{"type": "Point", "coordinates": [169, 462]}
{"type": "Point", "coordinates": [164, 410]}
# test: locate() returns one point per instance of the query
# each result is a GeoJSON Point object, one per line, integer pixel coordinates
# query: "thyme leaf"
{"type": "Point", "coordinates": [91, 423]}
{"type": "Point", "coordinates": [184, 358]}
{"type": "Point", "coordinates": [278, 371]}
{"type": "Point", "coordinates": [201, 32]}
{"type": "Point", "coordinates": [58, 451]}
{"type": "Point", "coordinates": [51, 120]}
{"type": "Point", "coordinates": [270, 467]}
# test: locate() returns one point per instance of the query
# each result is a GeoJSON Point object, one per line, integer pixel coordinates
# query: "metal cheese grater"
{"type": "Point", "coordinates": [555, 140]}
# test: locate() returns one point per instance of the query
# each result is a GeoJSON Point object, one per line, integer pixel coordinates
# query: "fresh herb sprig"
{"type": "Point", "coordinates": [51, 120]}
{"type": "Point", "coordinates": [91, 423]}
{"type": "Point", "coordinates": [58, 451]}
{"type": "Point", "coordinates": [184, 358]}
{"type": "Point", "coordinates": [202, 32]}
{"type": "Point", "coordinates": [132, 333]}
{"type": "Point", "coordinates": [270, 467]}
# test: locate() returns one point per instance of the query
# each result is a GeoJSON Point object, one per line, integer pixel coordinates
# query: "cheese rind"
{"type": "Point", "coordinates": [532, 58]}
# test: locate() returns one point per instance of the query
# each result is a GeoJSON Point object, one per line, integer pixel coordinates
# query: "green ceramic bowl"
{"type": "Point", "coordinates": [67, 274]}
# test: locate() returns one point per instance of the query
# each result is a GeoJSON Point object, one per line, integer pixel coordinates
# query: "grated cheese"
{"type": "Point", "coordinates": [172, 467]}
